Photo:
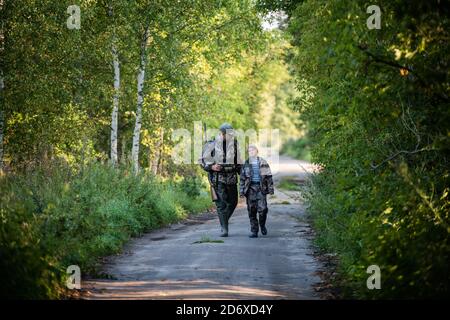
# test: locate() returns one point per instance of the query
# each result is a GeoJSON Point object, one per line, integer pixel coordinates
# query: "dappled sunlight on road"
{"type": "Point", "coordinates": [170, 289]}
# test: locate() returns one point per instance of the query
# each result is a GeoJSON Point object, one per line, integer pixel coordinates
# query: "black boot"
{"type": "Point", "coordinates": [263, 230]}
{"type": "Point", "coordinates": [253, 235]}
{"type": "Point", "coordinates": [224, 233]}
{"type": "Point", "coordinates": [224, 228]}
{"type": "Point", "coordinates": [223, 225]}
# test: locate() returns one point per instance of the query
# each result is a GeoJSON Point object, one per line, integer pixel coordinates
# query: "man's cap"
{"type": "Point", "coordinates": [225, 126]}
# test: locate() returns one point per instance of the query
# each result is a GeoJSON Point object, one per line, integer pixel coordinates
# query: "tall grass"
{"type": "Point", "coordinates": [53, 217]}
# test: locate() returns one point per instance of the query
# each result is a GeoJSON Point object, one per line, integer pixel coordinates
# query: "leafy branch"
{"type": "Point", "coordinates": [409, 125]}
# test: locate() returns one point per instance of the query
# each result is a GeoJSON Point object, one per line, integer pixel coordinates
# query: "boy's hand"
{"type": "Point", "coordinates": [216, 167]}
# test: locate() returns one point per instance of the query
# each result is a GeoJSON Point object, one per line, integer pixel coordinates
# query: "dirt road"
{"type": "Point", "coordinates": [168, 264]}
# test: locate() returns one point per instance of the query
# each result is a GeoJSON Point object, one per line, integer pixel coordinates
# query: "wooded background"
{"type": "Point", "coordinates": [86, 117]}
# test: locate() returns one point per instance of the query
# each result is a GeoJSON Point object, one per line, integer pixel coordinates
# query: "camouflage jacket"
{"type": "Point", "coordinates": [266, 177]}
{"type": "Point", "coordinates": [230, 161]}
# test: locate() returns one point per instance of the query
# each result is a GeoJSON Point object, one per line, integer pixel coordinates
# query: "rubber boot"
{"type": "Point", "coordinates": [263, 230]}
{"type": "Point", "coordinates": [224, 225]}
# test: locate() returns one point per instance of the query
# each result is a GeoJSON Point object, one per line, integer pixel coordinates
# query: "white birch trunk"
{"type": "Point", "coordinates": [115, 110]}
{"type": "Point", "coordinates": [140, 100]}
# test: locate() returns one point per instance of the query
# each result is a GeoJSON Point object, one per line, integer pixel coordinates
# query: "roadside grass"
{"type": "Point", "coordinates": [54, 216]}
{"type": "Point", "coordinates": [289, 183]}
{"type": "Point", "coordinates": [281, 203]}
{"type": "Point", "coordinates": [206, 239]}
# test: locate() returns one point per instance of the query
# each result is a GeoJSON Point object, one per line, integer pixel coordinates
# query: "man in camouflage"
{"type": "Point", "coordinates": [222, 161]}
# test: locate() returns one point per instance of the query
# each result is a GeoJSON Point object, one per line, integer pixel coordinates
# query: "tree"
{"type": "Point", "coordinates": [376, 104]}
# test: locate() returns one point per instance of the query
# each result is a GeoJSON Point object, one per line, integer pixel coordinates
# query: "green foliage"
{"type": "Point", "coordinates": [191, 186]}
{"type": "Point", "coordinates": [298, 148]}
{"type": "Point", "coordinates": [53, 217]}
{"type": "Point", "coordinates": [289, 183]}
{"type": "Point", "coordinates": [376, 104]}
{"type": "Point", "coordinates": [254, 93]}
{"type": "Point", "coordinates": [61, 203]}
{"type": "Point", "coordinates": [207, 60]}
{"type": "Point", "coordinates": [58, 85]}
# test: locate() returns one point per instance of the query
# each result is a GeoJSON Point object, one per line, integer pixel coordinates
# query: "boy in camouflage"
{"type": "Point", "coordinates": [255, 183]}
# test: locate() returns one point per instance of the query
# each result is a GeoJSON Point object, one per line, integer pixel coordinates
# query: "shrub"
{"type": "Point", "coordinates": [54, 217]}
{"type": "Point", "coordinates": [298, 149]}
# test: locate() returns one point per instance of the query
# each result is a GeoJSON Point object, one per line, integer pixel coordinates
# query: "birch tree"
{"type": "Point", "coordinates": [115, 111]}
{"type": "Point", "coordinates": [140, 100]}
{"type": "Point", "coordinates": [115, 108]}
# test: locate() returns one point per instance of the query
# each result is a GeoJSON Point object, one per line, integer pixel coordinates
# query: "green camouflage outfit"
{"type": "Point", "coordinates": [225, 153]}
{"type": "Point", "coordinates": [255, 183]}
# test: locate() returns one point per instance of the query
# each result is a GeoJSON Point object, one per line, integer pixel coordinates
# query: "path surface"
{"type": "Point", "coordinates": [166, 264]}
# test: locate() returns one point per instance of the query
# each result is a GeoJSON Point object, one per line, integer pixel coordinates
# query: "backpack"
{"type": "Point", "coordinates": [208, 153]}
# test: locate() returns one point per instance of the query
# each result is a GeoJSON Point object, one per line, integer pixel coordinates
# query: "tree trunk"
{"type": "Point", "coordinates": [2, 120]}
{"type": "Point", "coordinates": [2, 86]}
{"type": "Point", "coordinates": [159, 145]}
{"type": "Point", "coordinates": [124, 158]}
{"type": "Point", "coordinates": [115, 111]}
{"type": "Point", "coordinates": [140, 100]}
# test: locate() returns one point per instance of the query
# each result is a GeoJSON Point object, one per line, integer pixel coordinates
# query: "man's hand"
{"type": "Point", "coordinates": [216, 167]}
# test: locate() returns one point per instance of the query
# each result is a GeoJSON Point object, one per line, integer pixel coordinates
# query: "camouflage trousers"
{"type": "Point", "coordinates": [256, 204]}
{"type": "Point", "coordinates": [227, 195]}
